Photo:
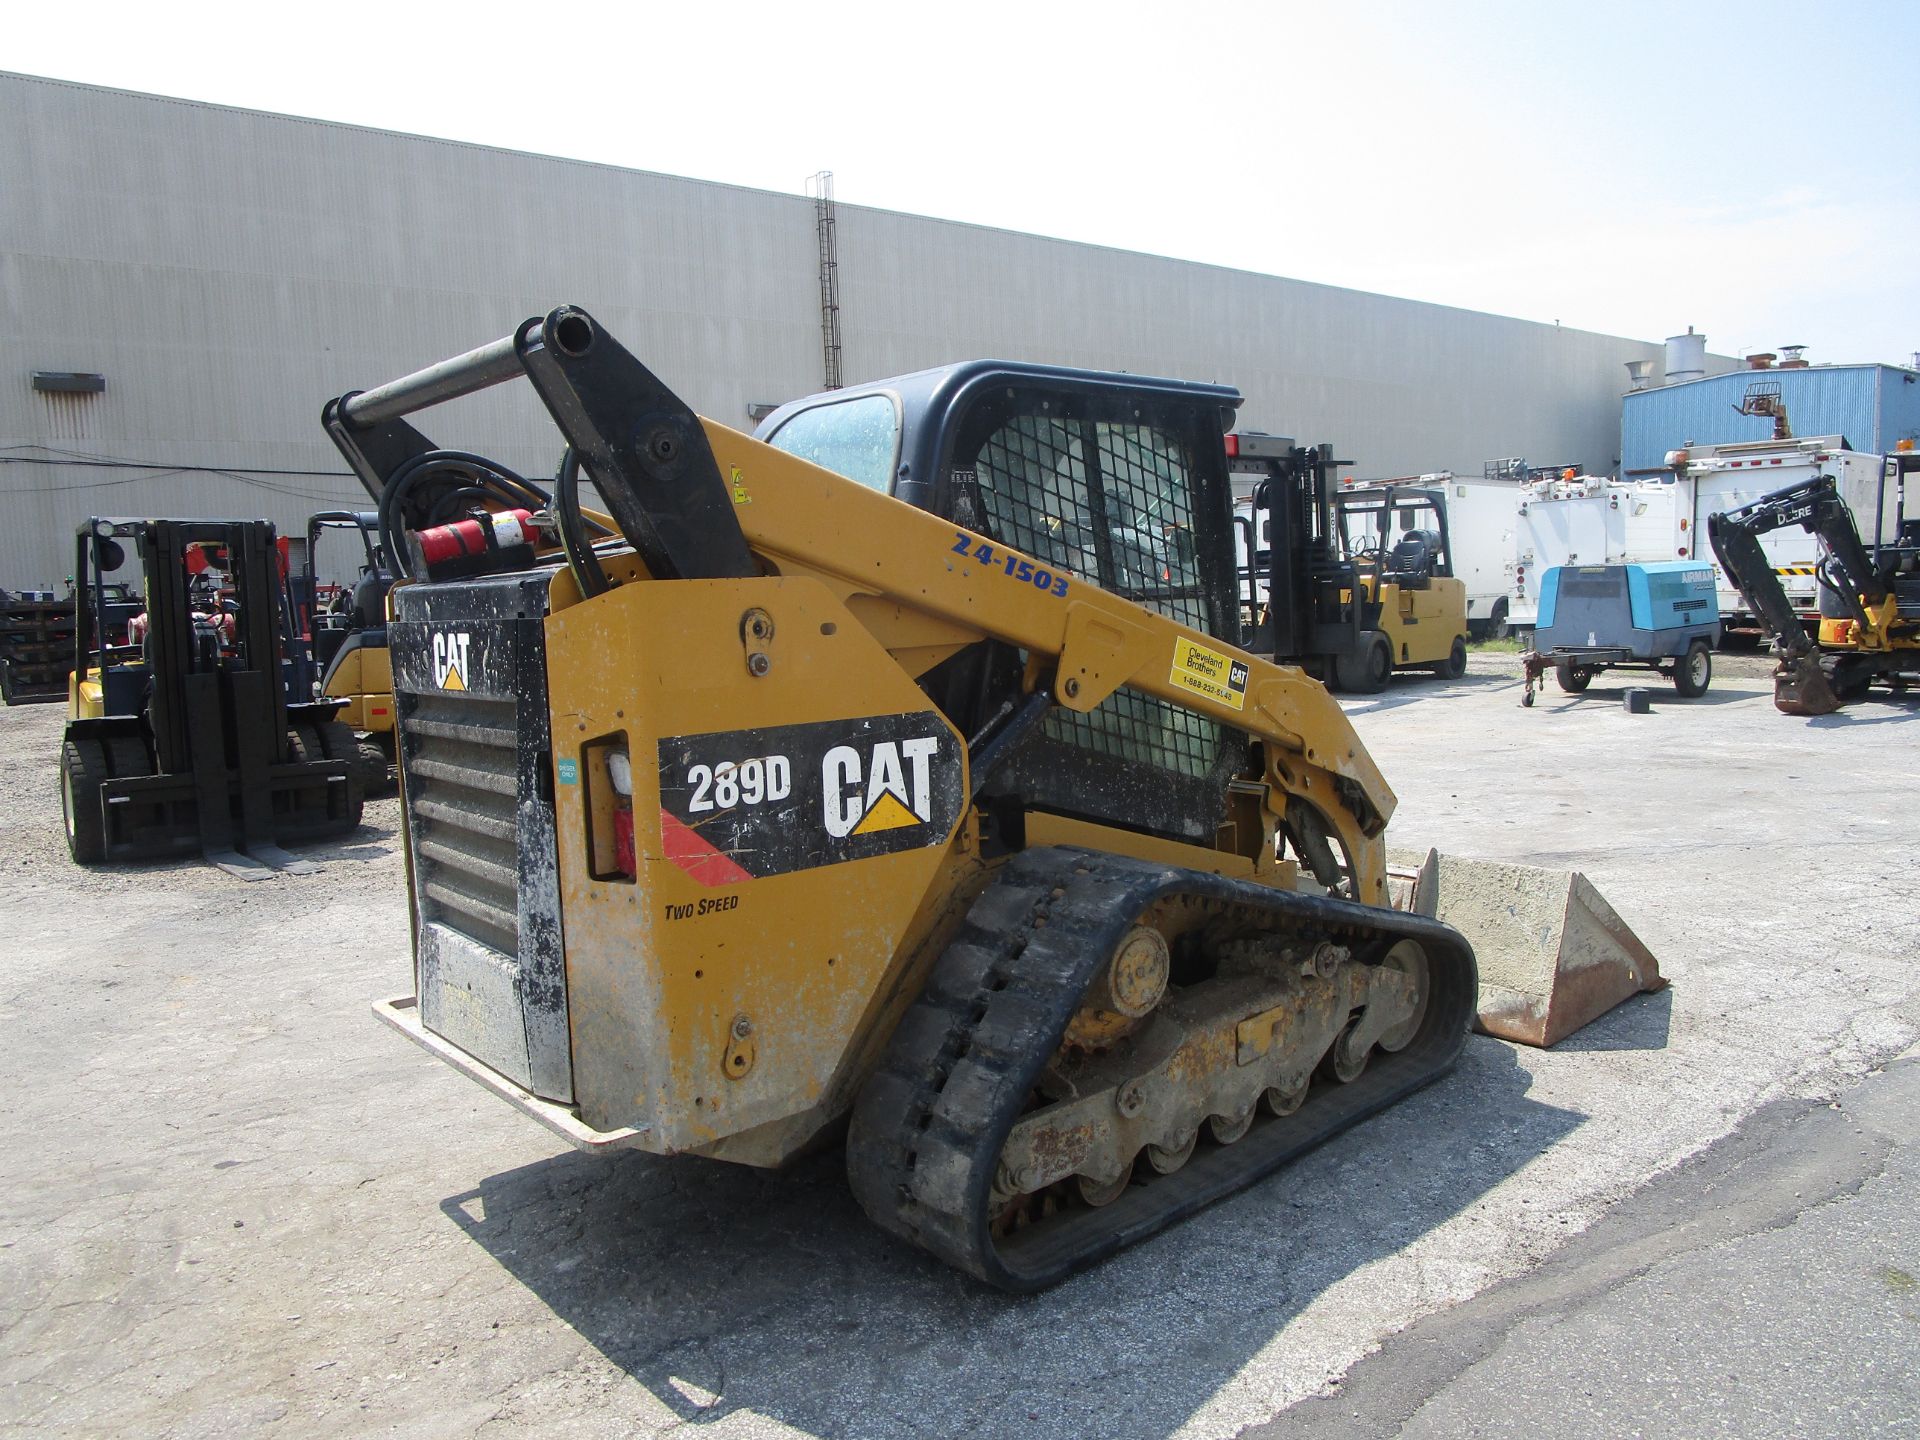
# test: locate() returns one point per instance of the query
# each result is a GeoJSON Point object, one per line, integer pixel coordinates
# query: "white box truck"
{"type": "Point", "coordinates": [1481, 519]}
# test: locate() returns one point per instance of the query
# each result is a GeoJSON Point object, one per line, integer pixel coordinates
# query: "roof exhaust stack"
{"type": "Point", "coordinates": [1640, 372]}
{"type": "Point", "coordinates": [1793, 357]}
{"type": "Point", "coordinates": [1686, 356]}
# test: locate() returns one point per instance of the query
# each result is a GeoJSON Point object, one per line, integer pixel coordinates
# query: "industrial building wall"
{"type": "Point", "coordinates": [1873, 406]}
{"type": "Point", "coordinates": [1899, 412]}
{"type": "Point", "coordinates": [229, 271]}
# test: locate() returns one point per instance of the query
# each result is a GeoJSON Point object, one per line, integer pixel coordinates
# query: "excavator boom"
{"type": "Point", "coordinates": [1815, 677]}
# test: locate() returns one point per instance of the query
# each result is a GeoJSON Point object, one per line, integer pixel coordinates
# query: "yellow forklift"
{"type": "Point", "coordinates": [1350, 582]}
{"type": "Point", "coordinates": [347, 636]}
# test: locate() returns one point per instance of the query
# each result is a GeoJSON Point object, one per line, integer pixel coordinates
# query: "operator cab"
{"type": "Point", "coordinates": [1111, 478]}
{"type": "Point", "coordinates": [356, 615]}
{"type": "Point", "coordinates": [1396, 534]}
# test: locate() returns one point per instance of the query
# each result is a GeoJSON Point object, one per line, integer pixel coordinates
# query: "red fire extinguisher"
{"type": "Point", "coordinates": [484, 542]}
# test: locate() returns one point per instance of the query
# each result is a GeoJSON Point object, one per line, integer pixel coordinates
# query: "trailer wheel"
{"type": "Point", "coordinates": [1694, 672]}
{"type": "Point", "coordinates": [1573, 679]}
{"type": "Point", "coordinates": [83, 765]}
{"type": "Point", "coordinates": [6, 682]}
{"type": "Point", "coordinates": [1497, 628]}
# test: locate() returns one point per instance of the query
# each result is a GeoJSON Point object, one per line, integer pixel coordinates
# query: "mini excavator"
{"type": "Point", "coordinates": [1869, 627]}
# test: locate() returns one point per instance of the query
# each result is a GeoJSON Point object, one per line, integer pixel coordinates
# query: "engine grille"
{"type": "Point", "coordinates": [463, 768]}
{"type": "Point", "coordinates": [470, 694]}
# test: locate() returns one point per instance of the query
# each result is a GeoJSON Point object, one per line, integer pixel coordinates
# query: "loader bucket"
{"type": "Point", "coordinates": [1553, 953]}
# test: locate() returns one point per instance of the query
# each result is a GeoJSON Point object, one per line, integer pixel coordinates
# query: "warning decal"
{"type": "Point", "coordinates": [743, 804]}
{"type": "Point", "coordinates": [1209, 673]}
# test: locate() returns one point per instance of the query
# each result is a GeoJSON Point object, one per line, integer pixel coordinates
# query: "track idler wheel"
{"type": "Point", "coordinates": [1346, 1059]}
{"type": "Point", "coordinates": [1410, 960]}
{"type": "Point", "coordinates": [1165, 1159]}
{"type": "Point", "coordinates": [1281, 1102]}
{"type": "Point", "coordinates": [1225, 1129]}
{"type": "Point", "coordinates": [1095, 1194]}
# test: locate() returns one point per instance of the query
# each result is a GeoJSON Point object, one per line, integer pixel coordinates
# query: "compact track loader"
{"type": "Point", "coordinates": [961, 820]}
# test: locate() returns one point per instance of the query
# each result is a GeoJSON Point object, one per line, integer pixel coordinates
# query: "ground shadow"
{"type": "Point", "coordinates": [1660, 694]}
{"type": "Point", "coordinates": [1887, 710]}
{"type": "Point", "coordinates": [721, 1289]}
{"type": "Point", "coordinates": [1640, 1022]}
{"type": "Point", "coordinates": [1408, 688]}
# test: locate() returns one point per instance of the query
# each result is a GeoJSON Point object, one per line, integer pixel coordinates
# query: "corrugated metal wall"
{"type": "Point", "coordinates": [1899, 407]}
{"type": "Point", "coordinates": [1872, 405]}
{"type": "Point", "coordinates": [229, 271]}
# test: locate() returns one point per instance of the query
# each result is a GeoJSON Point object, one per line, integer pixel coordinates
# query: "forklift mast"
{"type": "Point", "coordinates": [1291, 544]}
{"type": "Point", "coordinates": [188, 741]}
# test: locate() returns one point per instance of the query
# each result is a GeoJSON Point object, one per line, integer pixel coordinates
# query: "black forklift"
{"type": "Point", "coordinates": [195, 730]}
{"type": "Point", "coordinates": [1351, 583]}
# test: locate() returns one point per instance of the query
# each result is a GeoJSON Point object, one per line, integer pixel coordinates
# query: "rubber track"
{"type": "Point", "coordinates": [929, 1126]}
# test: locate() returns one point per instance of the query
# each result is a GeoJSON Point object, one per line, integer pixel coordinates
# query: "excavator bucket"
{"type": "Point", "coordinates": [1801, 687]}
{"type": "Point", "coordinates": [1553, 953]}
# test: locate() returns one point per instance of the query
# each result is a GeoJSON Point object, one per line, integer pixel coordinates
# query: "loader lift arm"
{"type": "Point", "coordinates": [686, 496]}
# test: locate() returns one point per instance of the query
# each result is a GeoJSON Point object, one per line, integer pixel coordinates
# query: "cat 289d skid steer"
{"type": "Point", "coordinates": [787, 801]}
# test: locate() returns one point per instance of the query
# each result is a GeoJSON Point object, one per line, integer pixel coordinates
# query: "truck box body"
{"type": "Point", "coordinates": [1726, 476]}
{"type": "Point", "coordinates": [1481, 515]}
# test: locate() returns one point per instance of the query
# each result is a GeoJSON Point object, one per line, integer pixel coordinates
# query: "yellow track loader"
{"type": "Point", "coordinates": [959, 821]}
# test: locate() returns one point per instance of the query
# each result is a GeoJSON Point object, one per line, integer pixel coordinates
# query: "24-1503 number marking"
{"type": "Point", "coordinates": [1021, 570]}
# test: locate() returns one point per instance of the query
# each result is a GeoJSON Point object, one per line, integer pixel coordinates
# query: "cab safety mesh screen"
{"type": "Point", "coordinates": [1111, 504]}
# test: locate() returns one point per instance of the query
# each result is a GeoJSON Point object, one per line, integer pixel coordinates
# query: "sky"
{"type": "Point", "coordinates": [1748, 169]}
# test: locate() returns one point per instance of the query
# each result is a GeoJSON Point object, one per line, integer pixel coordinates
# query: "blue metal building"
{"type": "Point", "coordinates": [1874, 406]}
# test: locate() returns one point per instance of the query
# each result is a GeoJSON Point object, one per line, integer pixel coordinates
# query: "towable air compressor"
{"type": "Point", "coordinates": [1662, 616]}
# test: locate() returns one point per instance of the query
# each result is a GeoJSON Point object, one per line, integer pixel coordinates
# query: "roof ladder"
{"type": "Point", "coordinates": [820, 187]}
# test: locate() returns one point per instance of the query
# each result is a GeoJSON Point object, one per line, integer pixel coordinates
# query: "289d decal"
{"type": "Point", "coordinates": [743, 804]}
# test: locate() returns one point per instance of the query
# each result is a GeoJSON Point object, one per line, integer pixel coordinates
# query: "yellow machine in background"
{"type": "Point", "coordinates": [1350, 582]}
{"type": "Point", "coordinates": [348, 636]}
{"type": "Point", "coordinates": [1398, 539]}
{"type": "Point", "coordinates": [961, 818]}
